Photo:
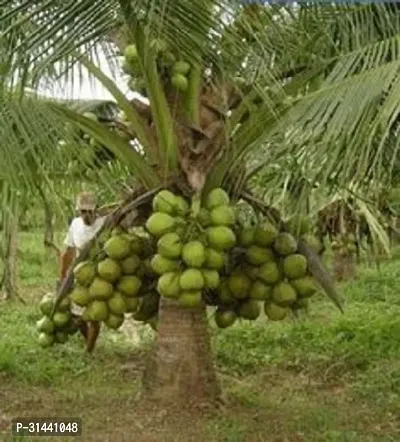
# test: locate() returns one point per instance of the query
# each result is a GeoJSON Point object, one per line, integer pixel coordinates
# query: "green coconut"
{"type": "Point", "coordinates": [181, 67]}
{"type": "Point", "coordinates": [193, 254]}
{"type": "Point", "coordinates": [137, 244]}
{"type": "Point", "coordinates": [180, 82]}
{"type": "Point", "coordinates": [191, 280]}
{"type": "Point", "coordinates": [45, 340]}
{"type": "Point", "coordinates": [45, 325]}
{"type": "Point", "coordinates": [261, 291]}
{"type": "Point", "coordinates": [165, 202]}
{"type": "Point", "coordinates": [114, 321]}
{"type": "Point", "coordinates": [313, 242]}
{"type": "Point", "coordinates": [84, 273]}
{"type": "Point", "coordinates": [46, 304]}
{"type": "Point", "coordinates": [204, 217]}
{"type": "Point", "coordinates": [214, 260]}
{"type": "Point", "coordinates": [109, 270]}
{"type": "Point", "coordinates": [61, 319]}
{"type": "Point", "coordinates": [221, 238]}
{"type": "Point", "coordinates": [116, 304]}
{"type": "Point", "coordinates": [168, 285]}
{"type": "Point", "coordinates": [225, 318]}
{"type": "Point", "coordinates": [251, 271]}
{"type": "Point", "coordinates": [117, 247]}
{"type": "Point", "coordinates": [182, 206]}
{"type": "Point", "coordinates": [130, 265]}
{"type": "Point", "coordinates": [130, 53]}
{"type": "Point", "coordinates": [160, 223]}
{"type": "Point", "coordinates": [265, 234]}
{"type": "Point", "coordinates": [300, 304]}
{"type": "Point", "coordinates": [96, 311]}
{"type": "Point", "coordinates": [162, 265]}
{"type": "Point", "coordinates": [305, 286]}
{"type": "Point", "coordinates": [275, 312]}
{"type": "Point", "coordinates": [129, 285]}
{"type": "Point", "coordinates": [250, 309]}
{"type": "Point", "coordinates": [295, 266]}
{"type": "Point", "coordinates": [80, 296]}
{"type": "Point", "coordinates": [170, 246]}
{"type": "Point", "coordinates": [239, 285]}
{"type": "Point", "coordinates": [257, 256]}
{"type": "Point", "coordinates": [100, 289]}
{"type": "Point", "coordinates": [247, 237]}
{"type": "Point", "coordinates": [191, 299]}
{"type": "Point", "coordinates": [284, 294]}
{"type": "Point", "coordinates": [211, 279]}
{"type": "Point", "coordinates": [285, 244]}
{"type": "Point", "coordinates": [269, 273]}
{"type": "Point", "coordinates": [217, 197]}
{"type": "Point", "coordinates": [222, 216]}
{"type": "Point", "coordinates": [225, 296]}
{"type": "Point", "coordinates": [131, 304]}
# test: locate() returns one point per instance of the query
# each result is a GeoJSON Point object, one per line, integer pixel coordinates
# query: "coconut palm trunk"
{"type": "Point", "coordinates": [181, 368]}
{"type": "Point", "coordinates": [9, 279]}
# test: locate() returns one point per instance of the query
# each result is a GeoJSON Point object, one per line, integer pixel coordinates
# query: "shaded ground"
{"type": "Point", "coordinates": [328, 377]}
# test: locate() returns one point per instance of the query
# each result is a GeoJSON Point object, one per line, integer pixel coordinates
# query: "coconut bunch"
{"type": "Point", "coordinates": [192, 244]}
{"type": "Point", "coordinates": [109, 285]}
{"type": "Point", "coordinates": [269, 271]}
{"type": "Point", "coordinates": [58, 328]}
{"type": "Point", "coordinates": [344, 244]}
{"type": "Point", "coordinates": [168, 63]}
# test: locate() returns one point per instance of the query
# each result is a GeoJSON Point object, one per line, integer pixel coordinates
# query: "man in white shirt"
{"type": "Point", "coordinates": [81, 230]}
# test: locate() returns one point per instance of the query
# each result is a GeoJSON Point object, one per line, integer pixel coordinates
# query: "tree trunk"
{"type": "Point", "coordinates": [180, 369]}
{"type": "Point", "coordinates": [9, 279]}
{"type": "Point", "coordinates": [344, 267]}
{"type": "Point", "coordinates": [48, 225]}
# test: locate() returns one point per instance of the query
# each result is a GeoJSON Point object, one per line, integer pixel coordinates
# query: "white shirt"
{"type": "Point", "coordinates": [79, 233]}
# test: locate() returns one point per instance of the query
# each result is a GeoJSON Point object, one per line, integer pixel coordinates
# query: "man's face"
{"type": "Point", "coordinates": [88, 216]}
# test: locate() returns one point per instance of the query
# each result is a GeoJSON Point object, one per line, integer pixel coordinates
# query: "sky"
{"type": "Point", "coordinates": [85, 88]}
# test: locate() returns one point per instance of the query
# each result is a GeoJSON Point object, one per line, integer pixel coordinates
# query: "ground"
{"type": "Point", "coordinates": [327, 377]}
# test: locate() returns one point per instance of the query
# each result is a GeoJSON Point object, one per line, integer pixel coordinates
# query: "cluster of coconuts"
{"type": "Point", "coordinates": [178, 70]}
{"type": "Point", "coordinates": [344, 244]}
{"type": "Point", "coordinates": [192, 244]}
{"type": "Point", "coordinates": [110, 284]}
{"type": "Point", "coordinates": [56, 329]}
{"type": "Point", "coordinates": [269, 270]}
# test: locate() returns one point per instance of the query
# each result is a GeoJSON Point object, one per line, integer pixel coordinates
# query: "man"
{"type": "Point", "coordinates": [81, 230]}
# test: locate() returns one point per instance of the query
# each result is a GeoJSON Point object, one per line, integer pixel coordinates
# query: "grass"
{"type": "Point", "coordinates": [326, 377]}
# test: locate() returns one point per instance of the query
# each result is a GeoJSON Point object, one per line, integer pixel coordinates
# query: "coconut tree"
{"type": "Point", "coordinates": [222, 80]}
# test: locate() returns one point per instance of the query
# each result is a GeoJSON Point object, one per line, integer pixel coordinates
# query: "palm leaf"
{"type": "Point", "coordinates": [123, 150]}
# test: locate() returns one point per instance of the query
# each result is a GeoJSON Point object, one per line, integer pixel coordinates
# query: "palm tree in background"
{"type": "Point", "coordinates": [317, 84]}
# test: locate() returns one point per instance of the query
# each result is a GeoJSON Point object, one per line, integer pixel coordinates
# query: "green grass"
{"type": "Point", "coordinates": [326, 377]}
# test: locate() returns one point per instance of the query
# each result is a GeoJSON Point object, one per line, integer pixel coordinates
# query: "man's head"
{"type": "Point", "coordinates": [86, 205]}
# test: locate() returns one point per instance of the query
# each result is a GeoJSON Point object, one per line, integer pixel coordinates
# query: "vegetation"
{"type": "Point", "coordinates": [328, 377]}
{"type": "Point", "coordinates": [228, 93]}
